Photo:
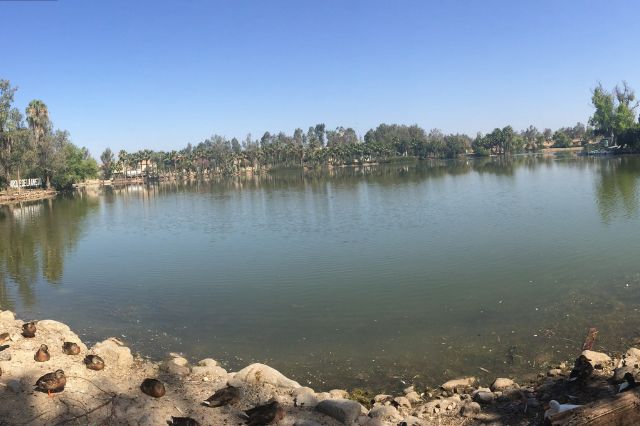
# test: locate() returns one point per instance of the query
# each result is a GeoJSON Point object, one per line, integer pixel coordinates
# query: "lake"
{"type": "Point", "coordinates": [352, 277]}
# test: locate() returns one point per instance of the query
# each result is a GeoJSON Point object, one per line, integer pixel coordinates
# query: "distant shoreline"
{"type": "Point", "coordinates": [27, 195]}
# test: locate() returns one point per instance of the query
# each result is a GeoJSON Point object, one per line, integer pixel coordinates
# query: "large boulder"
{"type": "Point", "coordinates": [257, 374]}
{"type": "Point", "coordinates": [343, 410]}
{"type": "Point", "coordinates": [501, 383]}
{"type": "Point", "coordinates": [598, 359]}
{"type": "Point", "coordinates": [463, 383]}
{"type": "Point", "coordinates": [7, 316]}
{"type": "Point", "coordinates": [386, 413]}
{"type": "Point", "coordinates": [114, 353]}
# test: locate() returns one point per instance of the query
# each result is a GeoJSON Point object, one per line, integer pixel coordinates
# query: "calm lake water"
{"type": "Point", "coordinates": [352, 277]}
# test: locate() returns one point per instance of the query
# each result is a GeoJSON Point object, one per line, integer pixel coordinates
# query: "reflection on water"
{"type": "Point", "coordinates": [345, 277]}
{"type": "Point", "coordinates": [35, 240]}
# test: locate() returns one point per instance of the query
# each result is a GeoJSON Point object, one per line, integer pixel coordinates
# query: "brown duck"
{"type": "Point", "coordinates": [70, 348]}
{"type": "Point", "coordinates": [42, 355]}
{"type": "Point", "coordinates": [184, 421]}
{"type": "Point", "coordinates": [29, 329]}
{"type": "Point", "coordinates": [222, 397]}
{"type": "Point", "coordinates": [4, 337]}
{"type": "Point", "coordinates": [94, 362]}
{"type": "Point", "coordinates": [153, 387]}
{"type": "Point", "coordinates": [52, 382]}
{"type": "Point", "coordinates": [265, 414]}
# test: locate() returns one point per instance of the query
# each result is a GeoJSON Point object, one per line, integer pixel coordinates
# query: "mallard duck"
{"type": "Point", "coordinates": [4, 337]}
{"type": "Point", "coordinates": [582, 369]}
{"type": "Point", "coordinates": [222, 397]}
{"type": "Point", "coordinates": [184, 421]}
{"type": "Point", "coordinates": [42, 354]}
{"type": "Point", "coordinates": [265, 414]}
{"type": "Point", "coordinates": [70, 348]}
{"type": "Point", "coordinates": [153, 387]}
{"type": "Point", "coordinates": [52, 382]}
{"type": "Point", "coordinates": [29, 329]}
{"type": "Point", "coordinates": [94, 362]}
{"type": "Point", "coordinates": [628, 384]}
{"type": "Point", "coordinates": [555, 407]}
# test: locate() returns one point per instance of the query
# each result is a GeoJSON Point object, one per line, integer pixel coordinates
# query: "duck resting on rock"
{"type": "Point", "coordinates": [94, 362]}
{"type": "Point", "coordinates": [225, 396]}
{"type": "Point", "coordinates": [52, 382]}
{"type": "Point", "coordinates": [153, 387]}
{"type": "Point", "coordinates": [42, 355]}
{"type": "Point", "coordinates": [70, 348]}
{"type": "Point", "coordinates": [29, 329]}
{"type": "Point", "coordinates": [265, 414]}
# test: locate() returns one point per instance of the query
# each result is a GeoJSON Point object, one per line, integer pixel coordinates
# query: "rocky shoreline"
{"type": "Point", "coordinates": [113, 395]}
{"type": "Point", "coordinates": [26, 195]}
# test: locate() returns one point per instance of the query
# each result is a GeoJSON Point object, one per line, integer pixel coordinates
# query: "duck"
{"type": "Point", "coordinates": [222, 397]}
{"type": "Point", "coordinates": [153, 387]}
{"type": "Point", "coordinates": [184, 421]}
{"type": "Point", "coordinates": [4, 337]}
{"type": "Point", "coordinates": [265, 414]}
{"type": "Point", "coordinates": [52, 382]}
{"type": "Point", "coordinates": [628, 384]}
{"type": "Point", "coordinates": [42, 355]}
{"type": "Point", "coordinates": [70, 348]}
{"type": "Point", "coordinates": [555, 407]}
{"type": "Point", "coordinates": [94, 362]}
{"type": "Point", "coordinates": [29, 329]}
{"type": "Point", "coordinates": [582, 369]}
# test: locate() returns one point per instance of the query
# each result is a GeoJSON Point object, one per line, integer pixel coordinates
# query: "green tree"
{"type": "Point", "coordinates": [40, 126]}
{"type": "Point", "coordinates": [614, 111]}
{"type": "Point", "coordinates": [108, 163]}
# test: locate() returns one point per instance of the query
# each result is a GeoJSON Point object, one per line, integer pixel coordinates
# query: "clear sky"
{"type": "Point", "coordinates": [159, 74]}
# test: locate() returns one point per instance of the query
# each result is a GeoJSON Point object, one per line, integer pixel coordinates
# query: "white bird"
{"type": "Point", "coordinates": [555, 407]}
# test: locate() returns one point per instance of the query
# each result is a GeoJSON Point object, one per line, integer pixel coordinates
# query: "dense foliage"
{"type": "Point", "coordinates": [35, 149]}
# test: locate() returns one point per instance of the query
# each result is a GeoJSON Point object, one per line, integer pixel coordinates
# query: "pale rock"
{"type": "Point", "coordinates": [382, 398]}
{"type": "Point", "coordinates": [368, 421]}
{"type": "Point", "coordinates": [597, 358]}
{"type": "Point", "coordinates": [175, 367]}
{"type": "Point", "coordinates": [339, 394]}
{"type": "Point", "coordinates": [462, 383]}
{"type": "Point", "coordinates": [343, 410]}
{"type": "Point", "coordinates": [470, 409]}
{"type": "Point", "coordinates": [409, 389]}
{"type": "Point", "coordinates": [414, 398]}
{"type": "Point", "coordinates": [321, 396]}
{"type": "Point", "coordinates": [402, 402]}
{"type": "Point", "coordinates": [386, 413]}
{"type": "Point", "coordinates": [306, 399]}
{"type": "Point", "coordinates": [484, 397]}
{"type": "Point", "coordinates": [303, 389]}
{"type": "Point", "coordinates": [413, 421]}
{"type": "Point", "coordinates": [501, 383]}
{"type": "Point", "coordinates": [180, 361]}
{"type": "Point", "coordinates": [618, 373]}
{"type": "Point", "coordinates": [7, 316]}
{"type": "Point", "coordinates": [554, 372]}
{"type": "Point", "coordinates": [256, 374]}
{"type": "Point", "coordinates": [5, 356]}
{"type": "Point", "coordinates": [113, 353]}
{"type": "Point", "coordinates": [53, 326]}
{"type": "Point", "coordinates": [208, 362]}
{"type": "Point", "coordinates": [633, 353]}
{"type": "Point", "coordinates": [213, 371]}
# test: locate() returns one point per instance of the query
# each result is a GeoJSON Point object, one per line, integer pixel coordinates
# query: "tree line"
{"type": "Point", "coordinates": [35, 149]}
{"type": "Point", "coordinates": [341, 146]}
{"type": "Point", "coordinates": [31, 147]}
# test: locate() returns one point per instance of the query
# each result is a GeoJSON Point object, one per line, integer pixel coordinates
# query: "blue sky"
{"type": "Point", "coordinates": [160, 74]}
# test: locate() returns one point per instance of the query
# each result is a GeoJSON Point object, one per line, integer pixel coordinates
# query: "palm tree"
{"type": "Point", "coordinates": [38, 121]}
{"type": "Point", "coordinates": [123, 158]}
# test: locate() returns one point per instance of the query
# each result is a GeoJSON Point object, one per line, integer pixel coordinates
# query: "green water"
{"type": "Point", "coordinates": [351, 277]}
